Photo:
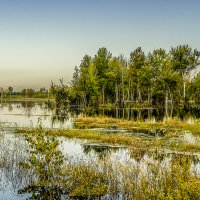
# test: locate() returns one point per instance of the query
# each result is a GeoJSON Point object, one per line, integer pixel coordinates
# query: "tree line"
{"type": "Point", "coordinates": [155, 79]}
{"type": "Point", "coordinates": [26, 92]}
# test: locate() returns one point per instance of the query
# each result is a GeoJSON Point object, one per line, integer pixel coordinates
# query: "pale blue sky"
{"type": "Point", "coordinates": [43, 40]}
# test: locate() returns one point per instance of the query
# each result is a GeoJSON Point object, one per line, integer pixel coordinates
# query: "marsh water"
{"type": "Point", "coordinates": [13, 147]}
{"type": "Point", "coordinates": [29, 113]}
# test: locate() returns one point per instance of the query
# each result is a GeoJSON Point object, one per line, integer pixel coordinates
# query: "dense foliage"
{"type": "Point", "coordinates": [156, 79]}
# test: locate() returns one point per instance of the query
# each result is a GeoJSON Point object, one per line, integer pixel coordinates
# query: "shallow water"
{"type": "Point", "coordinates": [30, 114]}
{"type": "Point", "coordinates": [13, 147]}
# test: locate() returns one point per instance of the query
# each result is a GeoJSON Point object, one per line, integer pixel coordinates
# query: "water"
{"type": "Point", "coordinates": [14, 148]}
{"type": "Point", "coordinates": [29, 114]}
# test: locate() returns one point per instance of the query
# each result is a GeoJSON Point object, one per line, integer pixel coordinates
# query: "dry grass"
{"type": "Point", "coordinates": [169, 126]}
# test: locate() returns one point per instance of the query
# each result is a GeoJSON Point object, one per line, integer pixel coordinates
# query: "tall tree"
{"type": "Point", "coordinates": [137, 61]}
{"type": "Point", "coordinates": [101, 61]}
{"type": "Point", "coordinates": [114, 78]}
{"type": "Point", "coordinates": [194, 89]}
{"type": "Point", "coordinates": [92, 85]}
{"type": "Point", "coordinates": [184, 60]}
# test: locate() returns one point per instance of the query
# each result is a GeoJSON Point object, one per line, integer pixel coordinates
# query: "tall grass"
{"type": "Point", "coordinates": [139, 179]}
{"type": "Point", "coordinates": [107, 179]}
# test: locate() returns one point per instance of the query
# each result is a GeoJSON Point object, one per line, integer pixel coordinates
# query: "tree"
{"type": "Point", "coordinates": [137, 61]}
{"type": "Point", "coordinates": [91, 84]}
{"type": "Point", "coordinates": [115, 75]}
{"type": "Point", "coordinates": [30, 92]}
{"type": "Point", "coordinates": [194, 89]}
{"type": "Point", "coordinates": [1, 90]}
{"type": "Point", "coordinates": [184, 60]}
{"type": "Point", "coordinates": [75, 79]}
{"type": "Point", "coordinates": [10, 89]}
{"type": "Point", "coordinates": [101, 61]}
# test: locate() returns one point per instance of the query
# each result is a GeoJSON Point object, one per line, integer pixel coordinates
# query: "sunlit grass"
{"type": "Point", "coordinates": [170, 126]}
{"type": "Point", "coordinates": [156, 178]}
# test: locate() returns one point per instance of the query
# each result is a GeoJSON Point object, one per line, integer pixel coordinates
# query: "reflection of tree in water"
{"type": "Point", "coordinates": [10, 108]}
{"type": "Point", "coordinates": [28, 107]}
{"type": "Point", "coordinates": [101, 151]}
{"type": "Point", "coordinates": [12, 152]}
{"type": "Point", "coordinates": [60, 116]}
{"type": "Point", "coordinates": [2, 106]}
{"type": "Point", "coordinates": [49, 105]}
{"type": "Point", "coordinates": [43, 192]}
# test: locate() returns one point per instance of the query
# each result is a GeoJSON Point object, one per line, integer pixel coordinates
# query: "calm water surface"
{"type": "Point", "coordinates": [13, 147]}
{"type": "Point", "coordinates": [28, 113]}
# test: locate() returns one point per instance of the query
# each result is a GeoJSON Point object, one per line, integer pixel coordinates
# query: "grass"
{"type": "Point", "coordinates": [157, 178]}
{"type": "Point", "coordinates": [97, 136]}
{"type": "Point", "coordinates": [130, 141]}
{"type": "Point", "coordinates": [170, 126]}
{"type": "Point", "coordinates": [167, 134]}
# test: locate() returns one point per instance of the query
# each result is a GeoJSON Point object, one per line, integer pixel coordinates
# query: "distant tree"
{"type": "Point", "coordinates": [23, 92]}
{"type": "Point", "coordinates": [10, 89]}
{"type": "Point", "coordinates": [28, 92]}
{"type": "Point", "coordinates": [1, 90]}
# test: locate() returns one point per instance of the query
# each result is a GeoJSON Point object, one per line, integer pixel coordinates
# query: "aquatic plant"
{"type": "Point", "coordinates": [56, 177]}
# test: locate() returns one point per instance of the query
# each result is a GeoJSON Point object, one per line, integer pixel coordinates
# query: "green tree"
{"type": "Point", "coordinates": [184, 60]}
{"type": "Point", "coordinates": [115, 78]}
{"type": "Point", "coordinates": [194, 88]}
{"type": "Point", "coordinates": [91, 84]}
{"type": "Point", "coordinates": [137, 61]}
{"type": "Point", "coordinates": [101, 61]}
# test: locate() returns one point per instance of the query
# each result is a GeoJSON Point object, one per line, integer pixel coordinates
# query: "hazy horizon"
{"type": "Point", "coordinates": [44, 40]}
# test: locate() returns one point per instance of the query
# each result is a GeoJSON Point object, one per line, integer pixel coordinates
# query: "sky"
{"type": "Point", "coordinates": [43, 40]}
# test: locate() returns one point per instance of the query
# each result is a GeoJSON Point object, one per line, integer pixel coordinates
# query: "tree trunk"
{"type": "Point", "coordinates": [129, 87]}
{"type": "Point", "coordinates": [172, 103]}
{"type": "Point", "coordinates": [116, 93]}
{"type": "Point", "coordinates": [103, 96]}
{"type": "Point", "coordinates": [166, 103]}
{"type": "Point", "coordinates": [139, 95]}
{"type": "Point", "coordinates": [184, 89]}
{"type": "Point", "coordinates": [149, 96]}
{"type": "Point", "coordinates": [123, 98]}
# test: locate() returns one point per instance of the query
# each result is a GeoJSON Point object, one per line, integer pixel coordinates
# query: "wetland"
{"type": "Point", "coordinates": [54, 154]}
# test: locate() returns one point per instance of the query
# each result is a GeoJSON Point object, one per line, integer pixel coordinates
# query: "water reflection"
{"type": "Point", "coordinates": [100, 151]}
{"type": "Point", "coordinates": [27, 113]}
{"type": "Point", "coordinates": [17, 183]}
{"type": "Point", "coordinates": [43, 192]}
